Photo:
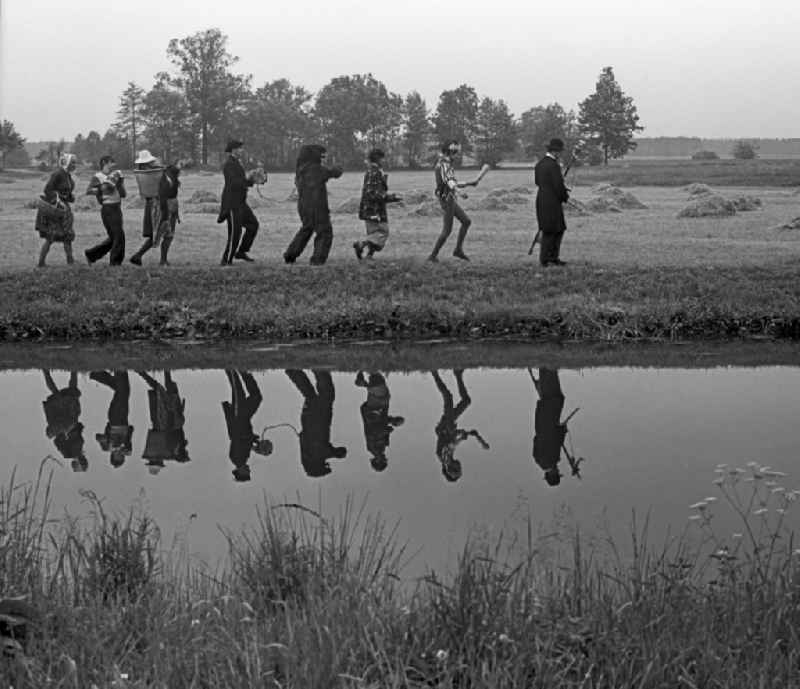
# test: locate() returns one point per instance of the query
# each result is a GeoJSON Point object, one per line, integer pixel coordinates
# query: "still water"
{"type": "Point", "coordinates": [444, 452]}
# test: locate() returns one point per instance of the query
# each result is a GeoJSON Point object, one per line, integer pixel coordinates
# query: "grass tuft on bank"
{"type": "Point", "coordinates": [305, 601]}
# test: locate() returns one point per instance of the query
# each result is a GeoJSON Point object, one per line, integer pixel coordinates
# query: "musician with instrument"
{"type": "Point", "coordinates": [447, 191]}
{"type": "Point", "coordinates": [234, 209]}
{"type": "Point", "coordinates": [550, 198]}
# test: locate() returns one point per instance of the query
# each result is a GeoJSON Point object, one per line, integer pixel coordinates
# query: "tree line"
{"type": "Point", "coordinates": [193, 108]}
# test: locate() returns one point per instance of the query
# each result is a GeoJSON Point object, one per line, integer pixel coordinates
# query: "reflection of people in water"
{"type": "Point", "coordinates": [239, 414]}
{"type": "Point", "coordinates": [315, 419]}
{"type": "Point", "coordinates": [62, 410]}
{"type": "Point", "coordinates": [166, 439]}
{"type": "Point", "coordinates": [448, 435]}
{"type": "Point", "coordinates": [378, 424]}
{"type": "Point", "coordinates": [118, 434]}
{"type": "Point", "coordinates": [550, 431]}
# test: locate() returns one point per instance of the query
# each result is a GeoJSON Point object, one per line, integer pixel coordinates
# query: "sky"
{"type": "Point", "coordinates": [706, 68]}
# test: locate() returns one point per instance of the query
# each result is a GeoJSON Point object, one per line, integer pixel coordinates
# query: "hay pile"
{"type": "Point", "coordinates": [708, 206]}
{"type": "Point", "coordinates": [489, 203]}
{"type": "Point", "coordinates": [616, 196]}
{"type": "Point", "coordinates": [577, 209]}
{"type": "Point", "coordinates": [601, 204]}
{"type": "Point", "coordinates": [427, 208]}
{"type": "Point", "coordinates": [746, 203]}
{"type": "Point", "coordinates": [349, 205]}
{"type": "Point", "coordinates": [412, 197]}
{"type": "Point", "coordinates": [205, 208]}
{"type": "Point", "coordinates": [203, 196]}
{"type": "Point", "coordinates": [507, 196]}
{"type": "Point", "coordinates": [791, 225]}
{"type": "Point", "coordinates": [698, 188]}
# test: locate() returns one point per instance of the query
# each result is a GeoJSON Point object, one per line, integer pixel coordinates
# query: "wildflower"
{"type": "Point", "coordinates": [779, 489]}
{"type": "Point", "coordinates": [123, 675]}
{"type": "Point", "coordinates": [405, 610]}
{"type": "Point", "coordinates": [710, 499]}
{"type": "Point", "coordinates": [694, 517]}
{"type": "Point", "coordinates": [698, 505]}
{"type": "Point", "coordinates": [736, 535]}
{"type": "Point", "coordinates": [505, 639]}
{"type": "Point", "coordinates": [441, 655]}
{"type": "Point", "coordinates": [195, 622]}
{"type": "Point", "coordinates": [247, 618]}
{"type": "Point", "coordinates": [761, 510]}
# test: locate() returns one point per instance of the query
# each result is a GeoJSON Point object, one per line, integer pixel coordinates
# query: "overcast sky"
{"type": "Point", "coordinates": [708, 68]}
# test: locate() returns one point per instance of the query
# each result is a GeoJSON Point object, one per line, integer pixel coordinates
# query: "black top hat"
{"type": "Point", "coordinates": [233, 144]}
{"type": "Point", "coordinates": [555, 145]}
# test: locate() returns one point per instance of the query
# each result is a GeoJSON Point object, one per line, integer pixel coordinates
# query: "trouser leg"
{"type": "Point", "coordinates": [234, 235]}
{"type": "Point", "coordinates": [298, 243]}
{"type": "Point", "coordinates": [465, 221]}
{"type": "Point", "coordinates": [323, 240]}
{"type": "Point", "coordinates": [447, 226]}
{"type": "Point", "coordinates": [547, 248]}
{"type": "Point", "coordinates": [250, 223]}
{"type": "Point", "coordinates": [117, 234]}
{"type": "Point", "coordinates": [68, 253]}
{"type": "Point", "coordinates": [557, 246]}
{"type": "Point", "coordinates": [165, 244]}
{"type": "Point", "coordinates": [43, 252]}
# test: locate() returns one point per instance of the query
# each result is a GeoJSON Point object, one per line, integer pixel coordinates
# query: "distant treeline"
{"type": "Point", "coordinates": [685, 146]}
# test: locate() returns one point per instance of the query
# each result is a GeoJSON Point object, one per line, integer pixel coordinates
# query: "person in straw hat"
{"type": "Point", "coordinates": [151, 218]}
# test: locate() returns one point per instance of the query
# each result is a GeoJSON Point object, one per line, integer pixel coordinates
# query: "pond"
{"type": "Point", "coordinates": [448, 452]}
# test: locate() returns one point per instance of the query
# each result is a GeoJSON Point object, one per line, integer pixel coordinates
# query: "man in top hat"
{"type": "Point", "coordinates": [245, 400]}
{"type": "Point", "coordinates": [234, 209]}
{"type": "Point", "coordinates": [550, 198]}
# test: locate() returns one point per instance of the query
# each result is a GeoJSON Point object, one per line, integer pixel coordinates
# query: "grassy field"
{"type": "Point", "coordinates": [640, 273]}
{"type": "Point", "coordinates": [308, 603]}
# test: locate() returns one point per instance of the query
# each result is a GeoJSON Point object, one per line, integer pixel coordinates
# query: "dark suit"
{"type": "Point", "coordinates": [549, 431]}
{"type": "Point", "coordinates": [235, 211]}
{"type": "Point", "coordinates": [549, 209]}
{"type": "Point", "coordinates": [239, 414]}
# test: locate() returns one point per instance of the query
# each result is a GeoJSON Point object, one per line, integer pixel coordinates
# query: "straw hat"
{"type": "Point", "coordinates": [143, 157]}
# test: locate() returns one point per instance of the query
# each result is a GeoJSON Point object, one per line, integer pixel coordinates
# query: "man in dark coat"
{"type": "Point", "coordinates": [234, 209]}
{"type": "Point", "coordinates": [316, 419]}
{"type": "Point", "coordinates": [239, 414]}
{"type": "Point", "coordinates": [550, 432]}
{"type": "Point", "coordinates": [311, 178]}
{"type": "Point", "coordinates": [549, 199]}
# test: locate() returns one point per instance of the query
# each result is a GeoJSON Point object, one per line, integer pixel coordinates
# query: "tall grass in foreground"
{"type": "Point", "coordinates": [306, 601]}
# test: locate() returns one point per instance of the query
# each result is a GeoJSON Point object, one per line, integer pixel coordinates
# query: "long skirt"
{"type": "Point", "coordinates": [55, 229]}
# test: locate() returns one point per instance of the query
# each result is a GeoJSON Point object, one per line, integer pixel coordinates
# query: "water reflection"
{"type": "Point", "coordinates": [166, 440]}
{"type": "Point", "coordinates": [117, 438]}
{"type": "Point", "coordinates": [62, 409]}
{"type": "Point", "coordinates": [378, 423]}
{"type": "Point", "coordinates": [239, 412]}
{"type": "Point", "coordinates": [550, 432]}
{"type": "Point", "coordinates": [448, 434]}
{"type": "Point", "coordinates": [315, 422]}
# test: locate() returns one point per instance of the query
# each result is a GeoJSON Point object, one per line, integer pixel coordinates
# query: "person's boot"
{"type": "Point", "coordinates": [434, 257]}
{"type": "Point", "coordinates": [136, 259]}
{"type": "Point", "coordinates": [458, 252]}
{"type": "Point", "coordinates": [164, 249]}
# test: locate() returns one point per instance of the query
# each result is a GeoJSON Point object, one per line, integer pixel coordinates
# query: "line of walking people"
{"type": "Point", "coordinates": [55, 220]}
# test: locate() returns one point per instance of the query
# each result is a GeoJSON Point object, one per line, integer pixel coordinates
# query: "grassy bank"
{"type": "Point", "coordinates": [403, 299]}
{"type": "Point", "coordinates": [306, 602]}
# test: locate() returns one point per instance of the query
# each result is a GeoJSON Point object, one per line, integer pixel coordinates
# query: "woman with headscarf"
{"type": "Point", "coordinates": [54, 220]}
{"type": "Point", "coordinates": [311, 178]}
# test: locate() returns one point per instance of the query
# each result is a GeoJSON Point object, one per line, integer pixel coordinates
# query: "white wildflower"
{"type": "Point", "coordinates": [761, 510]}
{"type": "Point", "coordinates": [698, 505]}
{"type": "Point", "coordinates": [441, 655]}
{"type": "Point", "coordinates": [505, 639]}
{"type": "Point", "coordinates": [195, 622]}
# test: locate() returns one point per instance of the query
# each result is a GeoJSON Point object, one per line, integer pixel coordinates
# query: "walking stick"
{"type": "Point", "coordinates": [538, 236]}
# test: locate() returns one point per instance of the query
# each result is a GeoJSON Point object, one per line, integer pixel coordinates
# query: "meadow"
{"type": "Point", "coordinates": [638, 263]}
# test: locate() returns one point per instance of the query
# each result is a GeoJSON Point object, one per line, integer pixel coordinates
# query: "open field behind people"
{"type": "Point", "coordinates": [639, 272]}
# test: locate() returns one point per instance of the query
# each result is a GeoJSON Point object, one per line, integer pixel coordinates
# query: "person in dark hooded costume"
{"type": "Point", "coordinates": [311, 178]}
{"type": "Point", "coordinates": [316, 419]}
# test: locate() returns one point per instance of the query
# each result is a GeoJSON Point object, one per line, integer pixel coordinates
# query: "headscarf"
{"type": "Point", "coordinates": [66, 159]}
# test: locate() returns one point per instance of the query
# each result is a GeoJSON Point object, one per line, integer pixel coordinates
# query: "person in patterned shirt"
{"type": "Point", "coordinates": [447, 192]}
{"type": "Point", "coordinates": [372, 209]}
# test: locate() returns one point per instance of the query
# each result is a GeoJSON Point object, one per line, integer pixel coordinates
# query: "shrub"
{"type": "Point", "coordinates": [744, 150]}
{"type": "Point", "coordinates": [705, 155]}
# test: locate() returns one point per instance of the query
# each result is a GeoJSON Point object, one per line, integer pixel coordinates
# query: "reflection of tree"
{"type": "Point", "coordinates": [118, 433]}
{"type": "Point", "coordinates": [62, 410]}
{"type": "Point", "coordinates": [378, 424]}
{"type": "Point", "coordinates": [448, 435]}
{"type": "Point", "coordinates": [316, 418]}
{"type": "Point", "coordinates": [239, 414]}
{"type": "Point", "coordinates": [550, 431]}
{"type": "Point", "coordinates": [166, 439]}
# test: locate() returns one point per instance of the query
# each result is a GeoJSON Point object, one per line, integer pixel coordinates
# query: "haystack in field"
{"type": "Point", "coordinates": [521, 190]}
{"type": "Point", "coordinates": [708, 206]}
{"type": "Point", "coordinates": [349, 205]}
{"type": "Point", "coordinates": [414, 196]}
{"type": "Point", "coordinates": [601, 204]}
{"type": "Point", "coordinates": [489, 203]}
{"type": "Point", "coordinates": [205, 208]}
{"type": "Point", "coordinates": [698, 188]}
{"type": "Point", "coordinates": [426, 208]}
{"type": "Point", "coordinates": [619, 197]}
{"type": "Point", "coordinates": [577, 209]}
{"type": "Point", "coordinates": [791, 225]}
{"type": "Point", "coordinates": [746, 203]}
{"type": "Point", "coordinates": [203, 196]}
{"type": "Point", "coordinates": [507, 196]}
